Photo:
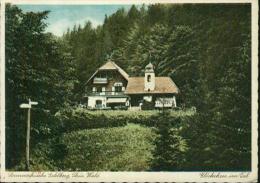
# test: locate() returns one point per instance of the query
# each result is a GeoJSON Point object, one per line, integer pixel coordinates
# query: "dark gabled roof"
{"type": "Point", "coordinates": [109, 65]}
{"type": "Point", "coordinates": [162, 85]}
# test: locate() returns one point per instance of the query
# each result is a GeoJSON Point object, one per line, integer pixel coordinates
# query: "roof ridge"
{"type": "Point", "coordinates": [120, 70]}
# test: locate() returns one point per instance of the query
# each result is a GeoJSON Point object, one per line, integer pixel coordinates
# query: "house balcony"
{"type": "Point", "coordinates": [100, 80]}
{"type": "Point", "coordinates": [107, 93]}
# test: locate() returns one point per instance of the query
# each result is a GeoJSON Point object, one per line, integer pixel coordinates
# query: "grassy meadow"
{"type": "Point", "coordinates": [120, 147]}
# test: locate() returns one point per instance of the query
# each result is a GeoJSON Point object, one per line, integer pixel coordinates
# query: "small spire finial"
{"type": "Point", "coordinates": [109, 56]}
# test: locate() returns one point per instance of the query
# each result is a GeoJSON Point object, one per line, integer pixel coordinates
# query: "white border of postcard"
{"type": "Point", "coordinates": [12, 176]}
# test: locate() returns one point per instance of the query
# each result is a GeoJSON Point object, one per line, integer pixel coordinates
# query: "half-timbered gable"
{"type": "Point", "coordinates": [106, 87]}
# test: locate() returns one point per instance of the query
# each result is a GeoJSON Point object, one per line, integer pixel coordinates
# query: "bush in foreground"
{"type": "Point", "coordinates": [170, 147]}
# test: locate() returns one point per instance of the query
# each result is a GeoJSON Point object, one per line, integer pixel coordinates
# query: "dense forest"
{"type": "Point", "coordinates": [204, 48]}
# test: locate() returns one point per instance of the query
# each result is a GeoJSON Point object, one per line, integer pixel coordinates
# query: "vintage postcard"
{"type": "Point", "coordinates": [129, 91]}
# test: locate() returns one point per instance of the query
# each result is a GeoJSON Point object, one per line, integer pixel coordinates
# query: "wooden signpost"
{"type": "Point", "coordinates": [28, 106]}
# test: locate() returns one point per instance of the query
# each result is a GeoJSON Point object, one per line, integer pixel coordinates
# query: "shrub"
{"type": "Point", "coordinates": [75, 119]}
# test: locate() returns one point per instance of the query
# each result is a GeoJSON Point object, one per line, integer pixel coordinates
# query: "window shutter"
{"type": "Point", "coordinates": [113, 88]}
{"type": "Point", "coordinates": [103, 89]}
{"type": "Point", "coordinates": [123, 88]}
{"type": "Point", "coordinates": [94, 89]}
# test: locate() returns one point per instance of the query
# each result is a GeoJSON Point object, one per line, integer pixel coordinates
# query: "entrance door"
{"type": "Point", "coordinates": [98, 103]}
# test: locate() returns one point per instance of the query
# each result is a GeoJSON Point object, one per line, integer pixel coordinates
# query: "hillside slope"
{"type": "Point", "coordinates": [127, 148]}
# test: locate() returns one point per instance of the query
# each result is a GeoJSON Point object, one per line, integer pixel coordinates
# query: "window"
{"type": "Point", "coordinates": [118, 88]}
{"type": "Point", "coordinates": [149, 78]}
{"type": "Point", "coordinates": [99, 89]}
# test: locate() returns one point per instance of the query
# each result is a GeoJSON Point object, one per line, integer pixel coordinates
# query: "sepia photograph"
{"type": "Point", "coordinates": [129, 87]}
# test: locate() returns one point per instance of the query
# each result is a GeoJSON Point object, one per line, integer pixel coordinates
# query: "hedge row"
{"type": "Point", "coordinates": [72, 119]}
{"type": "Point", "coordinates": [77, 119]}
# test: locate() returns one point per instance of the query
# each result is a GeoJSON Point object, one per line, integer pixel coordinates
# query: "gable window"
{"type": "Point", "coordinates": [149, 78]}
{"type": "Point", "coordinates": [99, 89]}
{"type": "Point", "coordinates": [118, 87]}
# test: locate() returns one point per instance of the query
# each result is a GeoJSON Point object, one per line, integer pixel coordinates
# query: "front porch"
{"type": "Point", "coordinates": [143, 101]}
{"type": "Point", "coordinates": [107, 100]}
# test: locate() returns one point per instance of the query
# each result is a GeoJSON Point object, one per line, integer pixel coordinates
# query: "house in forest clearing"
{"type": "Point", "coordinates": [111, 87]}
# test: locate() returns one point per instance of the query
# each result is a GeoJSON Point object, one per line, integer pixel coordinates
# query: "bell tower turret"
{"type": "Point", "coordinates": [149, 78]}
